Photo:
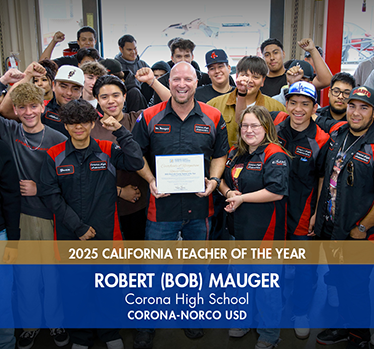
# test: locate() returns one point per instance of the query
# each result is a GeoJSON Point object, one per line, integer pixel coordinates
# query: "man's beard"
{"type": "Point", "coordinates": [338, 111]}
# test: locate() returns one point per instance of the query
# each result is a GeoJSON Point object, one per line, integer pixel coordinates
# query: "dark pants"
{"type": "Point", "coordinates": [133, 225]}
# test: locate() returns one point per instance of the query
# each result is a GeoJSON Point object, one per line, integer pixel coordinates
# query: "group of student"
{"type": "Point", "coordinates": [79, 135]}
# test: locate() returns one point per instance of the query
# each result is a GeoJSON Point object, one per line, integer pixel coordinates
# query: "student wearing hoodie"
{"type": "Point", "coordinates": [128, 56]}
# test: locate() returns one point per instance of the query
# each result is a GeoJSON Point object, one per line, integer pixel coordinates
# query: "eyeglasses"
{"type": "Point", "coordinates": [337, 91]}
{"type": "Point", "coordinates": [253, 127]}
{"type": "Point", "coordinates": [350, 178]}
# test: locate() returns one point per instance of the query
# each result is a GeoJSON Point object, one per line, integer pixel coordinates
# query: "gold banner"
{"type": "Point", "coordinates": [193, 252]}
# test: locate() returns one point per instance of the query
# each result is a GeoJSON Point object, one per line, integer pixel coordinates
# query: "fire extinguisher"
{"type": "Point", "coordinates": [12, 61]}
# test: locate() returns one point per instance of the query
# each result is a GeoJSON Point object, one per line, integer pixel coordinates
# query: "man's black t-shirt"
{"type": "Point", "coordinates": [272, 86]}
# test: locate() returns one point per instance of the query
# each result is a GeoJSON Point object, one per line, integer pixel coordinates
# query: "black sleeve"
{"type": "Point", "coordinates": [2, 87]}
{"type": "Point", "coordinates": [10, 197]}
{"type": "Point", "coordinates": [321, 160]}
{"type": "Point", "coordinates": [140, 133]}
{"type": "Point", "coordinates": [135, 100]}
{"type": "Point", "coordinates": [221, 146]}
{"type": "Point", "coordinates": [164, 79]}
{"type": "Point", "coordinates": [53, 199]}
{"type": "Point", "coordinates": [128, 156]}
{"type": "Point", "coordinates": [276, 173]}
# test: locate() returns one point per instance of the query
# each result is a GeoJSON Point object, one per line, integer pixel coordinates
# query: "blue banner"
{"type": "Point", "coordinates": [185, 296]}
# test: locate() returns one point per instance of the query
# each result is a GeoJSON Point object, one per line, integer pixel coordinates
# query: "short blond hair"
{"type": "Point", "coordinates": [94, 68]}
{"type": "Point", "coordinates": [27, 93]}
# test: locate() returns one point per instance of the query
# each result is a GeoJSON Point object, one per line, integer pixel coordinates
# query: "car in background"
{"type": "Point", "coordinates": [358, 44]}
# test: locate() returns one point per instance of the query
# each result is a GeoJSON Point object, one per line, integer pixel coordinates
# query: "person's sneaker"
{"type": "Point", "coordinates": [27, 338]}
{"type": "Point", "coordinates": [356, 342]}
{"type": "Point", "coordinates": [194, 333]}
{"type": "Point", "coordinates": [78, 346]}
{"type": "Point", "coordinates": [143, 340]}
{"type": "Point", "coordinates": [116, 344]}
{"type": "Point", "coordinates": [332, 336]}
{"type": "Point", "coordinates": [301, 327]}
{"type": "Point", "coordinates": [264, 345]}
{"type": "Point", "coordinates": [60, 336]}
{"type": "Point", "coordinates": [238, 332]}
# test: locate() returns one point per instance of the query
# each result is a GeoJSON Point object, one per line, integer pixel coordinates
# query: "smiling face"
{"type": "Point", "coordinates": [80, 133]}
{"type": "Point", "coordinates": [183, 83]}
{"type": "Point", "coordinates": [66, 91]}
{"type": "Point", "coordinates": [43, 82]}
{"type": "Point", "coordinates": [111, 100]}
{"type": "Point", "coordinates": [219, 73]}
{"type": "Point", "coordinates": [29, 114]}
{"type": "Point", "coordinates": [300, 109]}
{"type": "Point", "coordinates": [129, 51]}
{"type": "Point", "coordinates": [359, 116]}
{"type": "Point", "coordinates": [251, 131]}
{"type": "Point", "coordinates": [86, 40]}
{"type": "Point", "coordinates": [274, 57]}
{"type": "Point", "coordinates": [254, 82]}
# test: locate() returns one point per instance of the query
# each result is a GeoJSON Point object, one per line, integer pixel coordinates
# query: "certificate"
{"type": "Point", "coordinates": [180, 173]}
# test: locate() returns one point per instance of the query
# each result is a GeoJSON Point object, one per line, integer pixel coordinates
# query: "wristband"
{"type": "Point", "coordinates": [152, 82]}
{"type": "Point", "coordinates": [242, 94]}
{"type": "Point", "coordinates": [227, 192]}
{"type": "Point", "coordinates": [217, 180]}
{"type": "Point", "coordinates": [120, 191]}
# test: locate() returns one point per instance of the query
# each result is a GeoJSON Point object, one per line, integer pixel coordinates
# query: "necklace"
{"type": "Point", "coordinates": [27, 143]}
{"type": "Point", "coordinates": [341, 151]}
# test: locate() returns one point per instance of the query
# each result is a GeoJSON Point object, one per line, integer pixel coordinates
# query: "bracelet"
{"type": "Point", "coordinates": [227, 192]}
{"type": "Point", "coordinates": [120, 192]}
{"type": "Point", "coordinates": [152, 82]}
{"type": "Point", "coordinates": [242, 94]}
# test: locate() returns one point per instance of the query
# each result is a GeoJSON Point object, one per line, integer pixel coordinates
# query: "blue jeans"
{"type": "Point", "coordinates": [195, 229]}
{"type": "Point", "coordinates": [7, 339]}
{"type": "Point", "coordinates": [269, 306]}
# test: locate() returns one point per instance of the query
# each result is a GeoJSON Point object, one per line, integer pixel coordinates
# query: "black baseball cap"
{"type": "Point", "coordinates": [305, 66]}
{"type": "Point", "coordinates": [362, 93]}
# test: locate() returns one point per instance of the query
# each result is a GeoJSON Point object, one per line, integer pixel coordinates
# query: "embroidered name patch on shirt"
{"type": "Point", "coordinates": [363, 157]}
{"type": "Point", "coordinates": [52, 116]}
{"type": "Point", "coordinates": [256, 166]}
{"type": "Point", "coordinates": [162, 128]}
{"type": "Point", "coordinates": [65, 170]}
{"type": "Point", "coordinates": [202, 129]}
{"type": "Point", "coordinates": [307, 153]}
{"type": "Point", "coordinates": [98, 165]}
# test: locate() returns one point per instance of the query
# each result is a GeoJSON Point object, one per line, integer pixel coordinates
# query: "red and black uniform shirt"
{"type": "Point", "coordinates": [51, 117]}
{"type": "Point", "coordinates": [355, 197]}
{"type": "Point", "coordinates": [308, 149]}
{"type": "Point", "coordinates": [79, 186]}
{"type": "Point", "coordinates": [160, 131]}
{"type": "Point", "coordinates": [266, 168]}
